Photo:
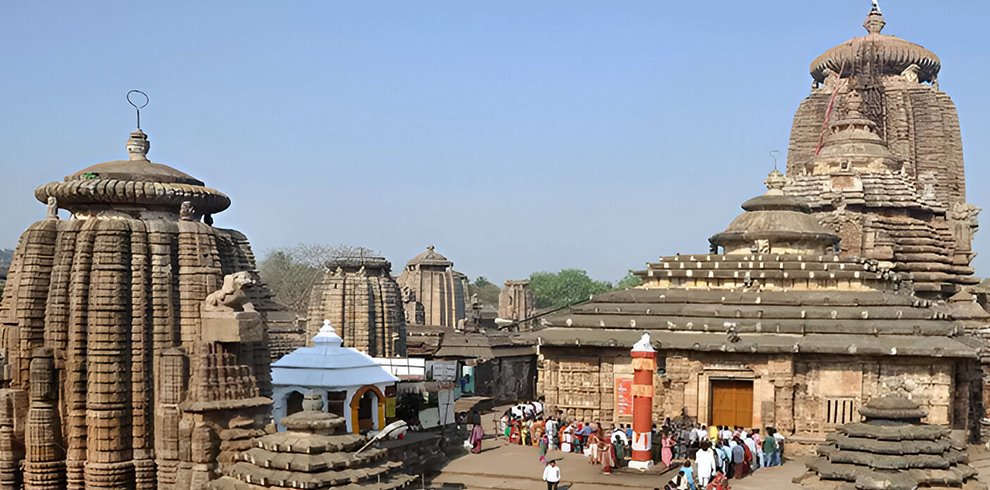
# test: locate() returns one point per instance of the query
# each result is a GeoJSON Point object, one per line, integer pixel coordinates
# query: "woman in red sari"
{"type": "Point", "coordinates": [606, 452]}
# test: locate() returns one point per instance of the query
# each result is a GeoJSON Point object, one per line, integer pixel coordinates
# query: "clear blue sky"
{"type": "Point", "coordinates": [514, 136]}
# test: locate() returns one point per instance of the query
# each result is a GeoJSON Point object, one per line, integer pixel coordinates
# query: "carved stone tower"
{"type": "Point", "coordinates": [876, 150]}
{"type": "Point", "coordinates": [432, 291]}
{"type": "Point", "coordinates": [359, 295]}
{"type": "Point", "coordinates": [122, 370]}
{"type": "Point", "coordinates": [516, 301]}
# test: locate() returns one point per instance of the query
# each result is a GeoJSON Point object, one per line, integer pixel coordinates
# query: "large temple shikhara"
{"type": "Point", "coordinates": [826, 291]}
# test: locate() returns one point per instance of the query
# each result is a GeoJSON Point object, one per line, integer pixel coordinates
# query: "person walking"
{"type": "Point", "coordinates": [705, 460]}
{"type": "Point", "coordinates": [752, 451]}
{"type": "Point", "coordinates": [738, 459]}
{"type": "Point", "coordinates": [666, 451]}
{"type": "Point", "coordinates": [770, 454]}
{"type": "Point", "coordinates": [544, 445]}
{"type": "Point", "coordinates": [477, 434]}
{"type": "Point", "coordinates": [551, 475]}
{"type": "Point", "coordinates": [758, 439]}
{"type": "Point", "coordinates": [687, 476]}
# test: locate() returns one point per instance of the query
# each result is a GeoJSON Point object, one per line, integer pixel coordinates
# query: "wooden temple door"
{"type": "Point", "coordinates": [732, 403]}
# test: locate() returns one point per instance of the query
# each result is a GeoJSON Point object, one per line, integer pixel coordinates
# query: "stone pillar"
{"type": "Point", "coordinates": [11, 450]}
{"type": "Point", "coordinates": [44, 463]}
{"type": "Point", "coordinates": [644, 362]}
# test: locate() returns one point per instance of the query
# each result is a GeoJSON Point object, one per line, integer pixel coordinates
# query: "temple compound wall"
{"type": "Point", "coordinates": [804, 395]}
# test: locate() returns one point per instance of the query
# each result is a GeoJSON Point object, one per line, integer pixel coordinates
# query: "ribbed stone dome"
{"type": "Point", "coordinates": [137, 183]}
{"type": "Point", "coordinates": [893, 54]}
{"type": "Point", "coordinates": [779, 221]}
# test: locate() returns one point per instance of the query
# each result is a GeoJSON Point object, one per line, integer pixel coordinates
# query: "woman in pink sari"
{"type": "Point", "coordinates": [477, 434]}
{"type": "Point", "coordinates": [666, 451]}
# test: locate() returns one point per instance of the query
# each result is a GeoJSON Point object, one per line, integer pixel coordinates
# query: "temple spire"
{"type": "Point", "coordinates": [874, 20]}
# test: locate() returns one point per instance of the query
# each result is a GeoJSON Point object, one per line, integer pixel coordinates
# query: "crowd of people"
{"type": "Point", "coordinates": [707, 456]}
{"type": "Point", "coordinates": [607, 447]}
{"type": "Point", "coordinates": [719, 453]}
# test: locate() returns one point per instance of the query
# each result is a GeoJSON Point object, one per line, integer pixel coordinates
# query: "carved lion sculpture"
{"type": "Point", "coordinates": [231, 296]}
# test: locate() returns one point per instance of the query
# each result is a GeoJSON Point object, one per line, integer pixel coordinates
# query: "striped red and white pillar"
{"type": "Point", "coordinates": [644, 363]}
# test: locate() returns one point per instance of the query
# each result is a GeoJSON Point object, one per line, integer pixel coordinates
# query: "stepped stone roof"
{"type": "Point", "coordinates": [314, 453]}
{"type": "Point", "coordinates": [893, 450]}
{"type": "Point", "coordinates": [800, 300]}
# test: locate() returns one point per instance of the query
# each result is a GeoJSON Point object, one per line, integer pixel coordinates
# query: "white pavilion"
{"type": "Point", "coordinates": [352, 384]}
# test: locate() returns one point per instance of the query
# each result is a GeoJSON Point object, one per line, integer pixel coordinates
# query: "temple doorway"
{"type": "Point", "coordinates": [293, 403]}
{"type": "Point", "coordinates": [367, 409]}
{"type": "Point", "coordinates": [732, 403]}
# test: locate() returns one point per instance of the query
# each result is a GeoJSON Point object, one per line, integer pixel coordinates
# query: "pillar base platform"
{"type": "Point", "coordinates": [641, 465]}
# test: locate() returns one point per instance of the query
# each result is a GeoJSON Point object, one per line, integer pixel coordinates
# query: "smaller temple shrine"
{"type": "Point", "coordinates": [432, 291]}
{"type": "Point", "coordinates": [516, 301]}
{"type": "Point", "coordinates": [352, 384]}
{"type": "Point", "coordinates": [891, 449]}
{"type": "Point", "coordinates": [360, 297]}
{"type": "Point", "coordinates": [315, 451]}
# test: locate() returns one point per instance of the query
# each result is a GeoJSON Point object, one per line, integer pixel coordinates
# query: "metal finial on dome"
{"type": "Point", "coordinates": [137, 107]}
{"type": "Point", "coordinates": [874, 20]}
{"type": "Point", "coordinates": [775, 182]}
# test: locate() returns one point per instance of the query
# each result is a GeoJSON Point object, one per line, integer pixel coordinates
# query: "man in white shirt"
{"type": "Point", "coordinates": [551, 475]}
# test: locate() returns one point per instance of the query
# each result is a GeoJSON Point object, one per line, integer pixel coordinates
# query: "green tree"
{"type": "Point", "coordinates": [565, 287]}
{"type": "Point", "coordinates": [487, 291]}
{"type": "Point", "coordinates": [630, 281]}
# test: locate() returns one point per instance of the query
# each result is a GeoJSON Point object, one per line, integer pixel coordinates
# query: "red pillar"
{"type": "Point", "coordinates": [644, 362]}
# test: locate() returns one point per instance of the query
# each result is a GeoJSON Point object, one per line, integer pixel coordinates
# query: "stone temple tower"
{"type": "Point", "coordinates": [876, 150]}
{"type": "Point", "coordinates": [130, 343]}
{"type": "Point", "coordinates": [432, 291]}
{"type": "Point", "coordinates": [516, 300]}
{"type": "Point", "coordinates": [360, 297]}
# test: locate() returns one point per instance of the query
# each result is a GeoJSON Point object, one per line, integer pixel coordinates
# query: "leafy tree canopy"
{"type": "Point", "coordinates": [555, 289]}
{"type": "Point", "coordinates": [486, 291]}
{"type": "Point", "coordinates": [630, 281]}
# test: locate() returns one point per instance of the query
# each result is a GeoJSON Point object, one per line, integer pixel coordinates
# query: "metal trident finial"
{"type": "Point", "coordinates": [137, 108]}
{"type": "Point", "coordinates": [773, 154]}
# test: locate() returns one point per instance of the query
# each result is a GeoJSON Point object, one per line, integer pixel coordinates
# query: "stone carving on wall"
{"type": "Point", "coordinates": [231, 297]}
{"type": "Point", "coordinates": [52, 207]}
{"type": "Point", "coordinates": [187, 212]}
{"type": "Point", "coordinates": [910, 74]}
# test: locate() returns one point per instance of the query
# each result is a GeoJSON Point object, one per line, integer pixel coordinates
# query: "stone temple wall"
{"type": "Point", "coordinates": [791, 393]}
